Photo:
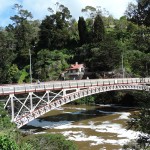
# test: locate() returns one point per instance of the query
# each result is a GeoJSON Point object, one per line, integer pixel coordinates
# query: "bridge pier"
{"type": "Point", "coordinates": [31, 102]}
{"type": "Point", "coordinates": [47, 93]}
{"type": "Point", "coordinates": [12, 107]}
{"type": "Point", "coordinates": [64, 92]}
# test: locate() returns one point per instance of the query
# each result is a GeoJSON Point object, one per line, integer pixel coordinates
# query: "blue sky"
{"type": "Point", "coordinates": [38, 8]}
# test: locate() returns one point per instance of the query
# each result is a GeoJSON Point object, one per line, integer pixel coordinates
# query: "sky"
{"type": "Point", "coordinates": [38, 8]}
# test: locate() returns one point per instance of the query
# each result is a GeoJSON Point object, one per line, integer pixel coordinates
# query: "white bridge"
{"type": "Point", "coordinates": [26, 102]}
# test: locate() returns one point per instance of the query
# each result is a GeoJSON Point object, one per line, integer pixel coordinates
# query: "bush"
{"type": "Point", "coordinates": [7, 144]}
{"type": "Point", "coordinates": [50, 142]}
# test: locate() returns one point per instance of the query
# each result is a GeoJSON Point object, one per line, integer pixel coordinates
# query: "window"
{"type": "Point", "coordinates": [82, 69]}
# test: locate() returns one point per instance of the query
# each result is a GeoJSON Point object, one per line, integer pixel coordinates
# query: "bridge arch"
{"type": "Point", "coordinates": [25, 118]}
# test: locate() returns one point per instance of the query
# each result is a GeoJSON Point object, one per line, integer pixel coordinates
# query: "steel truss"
{"type": "Point", "coordinates": [33, 105]}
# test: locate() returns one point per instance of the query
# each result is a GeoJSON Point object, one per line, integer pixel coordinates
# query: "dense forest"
{"type": "Point", "coordinates": [99, 41]}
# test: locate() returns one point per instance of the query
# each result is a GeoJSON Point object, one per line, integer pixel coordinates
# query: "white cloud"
{"type": "Point", "coordinates": [38, 8]}
{"type": "Point", "coordinates": [115, 7]}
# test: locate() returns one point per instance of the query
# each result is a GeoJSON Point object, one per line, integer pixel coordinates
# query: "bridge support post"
{"type": "Point", "coordinates": [64, 92]}
{"type": "Point", "coordinates": [12, 107]}
{"type": "Point", "coordinates": [31, 102]}
{"type": "Point", "coordinates": [48, 98]}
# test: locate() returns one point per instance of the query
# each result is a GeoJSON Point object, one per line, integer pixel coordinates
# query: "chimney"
{"type": "Point", "coordinates": [76, 63]}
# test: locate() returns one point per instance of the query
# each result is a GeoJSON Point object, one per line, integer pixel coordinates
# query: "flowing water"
{"type": "Point", "coordinates": [90, 127]}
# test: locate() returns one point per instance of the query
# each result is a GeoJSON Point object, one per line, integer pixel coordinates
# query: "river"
{"type": "Point", "coordinates": [100, 127]}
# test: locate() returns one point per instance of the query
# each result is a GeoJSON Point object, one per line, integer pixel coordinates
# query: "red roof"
{"type": "Point", "coordinates": [75, 66]}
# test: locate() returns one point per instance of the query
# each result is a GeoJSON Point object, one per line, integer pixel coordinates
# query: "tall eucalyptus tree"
{"type": "Point", "coordinates": [54, 29]}
{"type": "Point", "coordinates": [23, 34]}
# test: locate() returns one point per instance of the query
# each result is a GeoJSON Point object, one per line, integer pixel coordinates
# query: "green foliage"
{"type": "Point", "coordinates": [53, 32]}
{"type": "Point", "coordinates": [92, 12]}
{"type": "Point", "coordinates": [51, 142]}
{"type": "Point", "coordinates": [106, 50]}
{"type": "Point", "coordinates": [23, 34]}
{"type": "Point", "coordinates": [141, 121]}
{"type": "Point", "coordinates": [7, 144]}
{"type": "Point", "coordinates": [139, 62]}
{"type": "Point", "coordinates": [139, 13]}
{"type": "Point", "coordinates": [82, 54]}
{"type": "Point", "coordinates": [50, 64]}
{"type": "Point", "coordinates": [89, 25]}
{"type": "Point", "coordinates": [73, 34]}
{"type": "Point", "coordinates": [13, 74]}
{"type": "Point", "coordinates": [99, 30]}
{"type": "Point", "coordinates": [141, 39]}
{"type": "Point", "coordinates": [25, 146]}
{"type": "Point", "coordinates": [23, 76]}
{"type": "Point", "coordinates": [131, 145]}
{"type": "Point", "coordinates": [109, 22]}
{"type": "Point", "coordinates": [89, 10]}
{"type": "Point", "coordinates": [82, 30]}
{"type": "Point", "coordinates": [4, 119]}
{"type": "Point", "coordinates": [6, 54]}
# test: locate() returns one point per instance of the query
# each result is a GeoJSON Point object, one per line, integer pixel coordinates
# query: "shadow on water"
{"type": "Point", "coordinates": [72, 113]}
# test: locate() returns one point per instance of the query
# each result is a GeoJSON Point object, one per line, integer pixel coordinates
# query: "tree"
{"type": "Point", "coordinates": [7, 55]}
{"type": "Point", "coordinates": [121, 30]}
{"type": "Point", "coordinates": [99, 31]}
{"type": "Point", "coordinates": [5, 123]}
{"type": "Point", "coordinates": [105, 56]}
{"type": "Point", "coordinates": [139, 13]}
{"type": "Point", "coordinates": [132, 13]}
{"type": "Point", "coordinates": [139, 62]}
{"type": "Point", "coordinates": [144, 12]}
{"type": "Point", "coordinates": [89, 26]}
{"type": "Point", "coordinates": [50, 64]}
{"type": "Point", "coordinates": [73, 34]}
{"type": "Point", "coordinates": [54, 30]}
{"type": "Point", "coordinates": [108, 21]}
{"type": "Point", "coordinates": [90, 11]}
{"type": "Point", "coordinates": [13, 74]}
{"type": "Point", "coordinates": [141, 39]}
{"type": "Point", "coordinates": [22, 31]}
{"type": "Point", "coordinates": [82, 30]}
{"type": "Point", "coordinates": [46, 33]}
{"type": "Point", "coordinates": [141, 121]}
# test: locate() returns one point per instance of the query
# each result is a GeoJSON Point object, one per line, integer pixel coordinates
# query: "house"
{"type": "Point", "coordinates": [75, 72]}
